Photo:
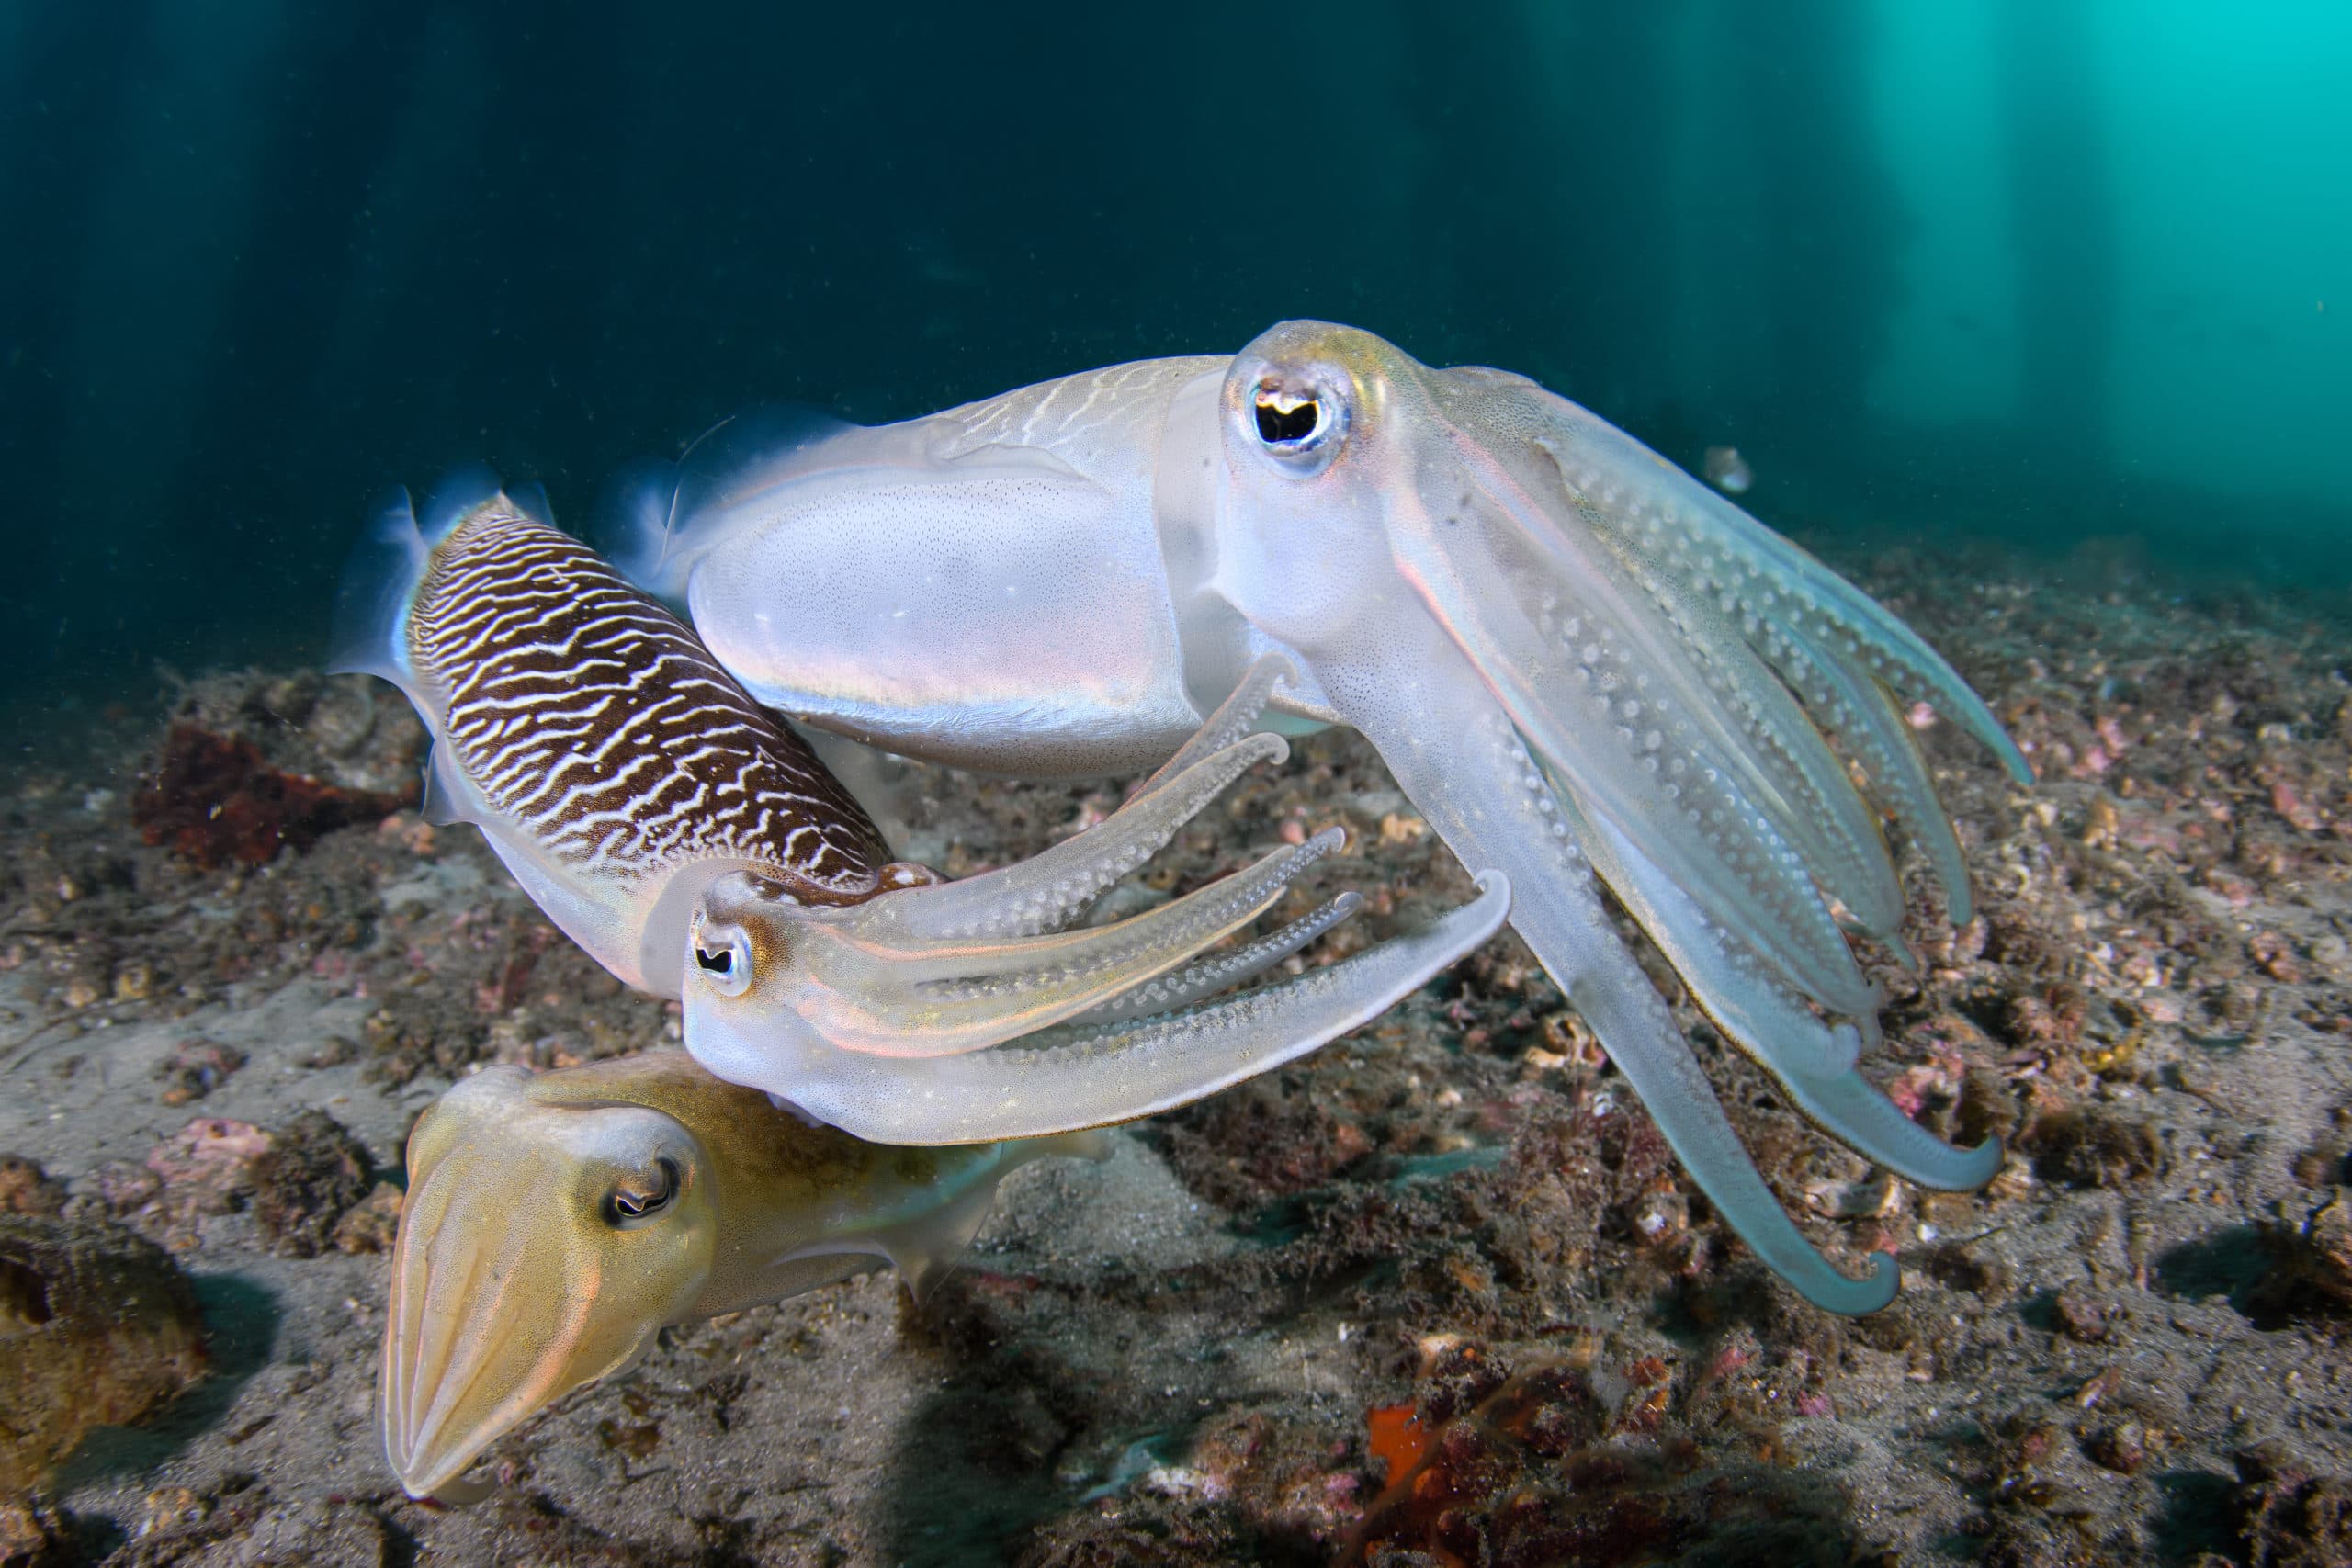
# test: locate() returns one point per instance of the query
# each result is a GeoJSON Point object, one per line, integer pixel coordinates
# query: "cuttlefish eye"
{"type": "Point", "coordinates": [1297, 415]}
{"type": "Point", "coordinates": [722, 954]}
{"type": "Point", "coordinates": [1285, 419]}
{"type": "Point", "coordinates": [643, 1196]}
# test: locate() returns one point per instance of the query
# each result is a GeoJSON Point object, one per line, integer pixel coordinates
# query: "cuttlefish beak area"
{"type": "Point", "coordinates": [540, 1248]}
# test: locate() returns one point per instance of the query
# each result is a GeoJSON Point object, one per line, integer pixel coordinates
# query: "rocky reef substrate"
{"type": "Point", "coordinates": [1438, 1294]}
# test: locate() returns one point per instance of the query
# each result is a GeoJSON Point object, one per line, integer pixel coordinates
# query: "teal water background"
{"type": "Point", "coordinates": [2026, 269]}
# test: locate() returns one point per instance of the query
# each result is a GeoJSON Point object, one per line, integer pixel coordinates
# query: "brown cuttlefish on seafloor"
{"type": "Point", "coordinates": [556, 1221]}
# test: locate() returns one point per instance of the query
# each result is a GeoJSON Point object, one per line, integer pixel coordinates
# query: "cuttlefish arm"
{"type": "Point", "coordinates": [1086, 1073]}
{"type": "Point", "coordinates": [556, 1221]}
{"type": "Point", "coordinates": [1489, 556]}
{"type": "Point", "coordinates": [690, 842]}
{"type": "Point", "coordinates": [1456, 754]}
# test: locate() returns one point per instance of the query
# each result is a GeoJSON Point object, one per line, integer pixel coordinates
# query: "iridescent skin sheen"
{"type": "Point", "coordinates": [1582, 664]}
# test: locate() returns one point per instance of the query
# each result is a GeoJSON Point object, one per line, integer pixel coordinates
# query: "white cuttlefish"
{"type": "Point", "coordinates": [1582, 665]}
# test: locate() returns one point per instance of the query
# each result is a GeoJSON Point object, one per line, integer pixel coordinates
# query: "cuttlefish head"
{"type": "Point", "coordinates": [1577, 659]}
{"type": "Point", "coordinates": [1318, 420]}
{"type": "Point", "coordinates": [542, 1245]}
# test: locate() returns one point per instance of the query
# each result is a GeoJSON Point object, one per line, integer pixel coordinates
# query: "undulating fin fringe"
{"type": "Point", "coordinates": [658, 515]}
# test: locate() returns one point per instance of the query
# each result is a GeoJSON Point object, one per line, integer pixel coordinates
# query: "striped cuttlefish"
{"type": "Point", "coordinates": [696, 848]}
{"type": "Point", "coordinates": [1584, 667]}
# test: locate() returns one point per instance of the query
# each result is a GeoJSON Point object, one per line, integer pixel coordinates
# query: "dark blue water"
{"type": "Point", "coordinates": [2051, 272]}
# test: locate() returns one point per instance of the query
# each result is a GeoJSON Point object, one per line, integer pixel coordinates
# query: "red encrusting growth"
{"type": "Point", "coordinates": [1398, 1437]}
{"type": "Point", "coordinates": [1571, 1461]}
{"type": "Point", "coordinates": [215, 799]}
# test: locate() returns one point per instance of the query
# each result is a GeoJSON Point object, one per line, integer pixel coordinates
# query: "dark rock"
{"type": "Point", "coordinates": [34, 1534]}
{"type": "Point", "coordinates": [1986, 1110]}
{"type": "Point", "coordinates": [2291, 1516]}
{"type": "Point", "coordinates": [26, 1189]}
{"type": "Point", "coordinates": [97, 1326]}
{"type": "Point", "coordinates": [311, 1171]}
{"type": "Point", "coordinates": [2122, 1448]}
{"type": "Point", "coordinates": [206, 1168]}
{"type": "Point", "coordinates": [371, 1225]}
{"type": "Point", "coordinates": [2310, 1261]}
{"type": "Point", "coordinates": [125, 1188]}
{"type": "Point", "coordinates": [195, 1068]}
{"type": "Point", "coordinates": [2089, 1146]}
{"type": "Point", "coordinates": [2080, 1314]}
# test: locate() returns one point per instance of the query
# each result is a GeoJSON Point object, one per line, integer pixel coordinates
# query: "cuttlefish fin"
{"type": "Point", "coordinates": [371, 604]}
{"type": "Point", "coordinates": [445, 800]}
{"type": "Point", "coordinates": [380, 581]}
{"type": "Point", "coordinates": [387, 566]}
{"type": "Point", "coordinates": [643, 527]}
{"type": "Point", "coordinates": [925, 1246]}
{"type": "Point", "coordinates": [925, 1250]}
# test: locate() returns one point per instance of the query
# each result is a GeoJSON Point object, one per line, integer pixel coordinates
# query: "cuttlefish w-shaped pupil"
{"type": "Point", "coordinates": [1278, 424]}
{"type": "Point", "coordinates": [719, 962]}
{"type": "Point", "coordinates": [638, 1201]}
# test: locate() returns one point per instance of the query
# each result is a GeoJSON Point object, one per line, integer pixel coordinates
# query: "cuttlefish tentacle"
{"type": "Point", "coordinates": [1058, 885]}
{"type": "Point", "coordinates": [1856, 706]}
{"type": "Point", "coordinates": [693, 844]}
{"type": "Point", "coordinates": [1050, 889]}
{"type": "Point", "coordinates": [865, 992]}
{"type": "Point", "coordinates": [1609, 698]}
{"type": "Point", "coordinates": [1838, 648]}
{"type": "Point", "coordinates": [556, 1221]}
{"type": "Point", "coordinates": [1813, 797]}
{"type": "Point", "coordinates": [1077, 1076]}
{"type": "Point", "coordinates": [1760, 575]}
{"type": "Point", "coordinates": [1206, 976]}
{"type": "Point", "coordinates": [1233, 718]}
{"type": "Point", "coordinates": [1456, 754]}
{"type": "Point", "coordinates": [1812, 1058]}
{"type": "Point", "coordinates": [1737, 988]}
{"type": "Point", "coordinates": [1841, 651]}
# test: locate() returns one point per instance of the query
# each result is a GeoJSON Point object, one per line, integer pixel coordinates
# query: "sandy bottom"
{"type": "Point", "coordinates": [1436, 1295]}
